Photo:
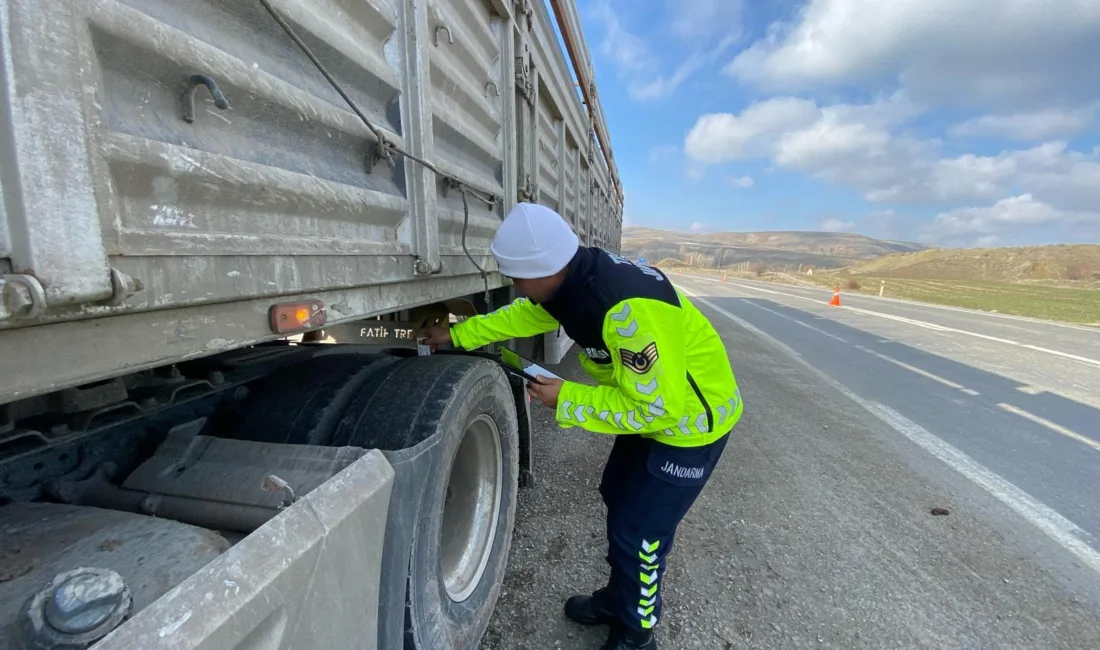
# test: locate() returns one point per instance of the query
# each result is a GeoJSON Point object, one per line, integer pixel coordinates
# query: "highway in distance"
{"type": "Point", "coordinates": [1010, 403]}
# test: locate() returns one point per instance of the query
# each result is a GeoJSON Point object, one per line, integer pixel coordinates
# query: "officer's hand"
{"type": "Point", "coordinates": [436, 335]}
{"type": "Point", "coordinates": [546, 391]}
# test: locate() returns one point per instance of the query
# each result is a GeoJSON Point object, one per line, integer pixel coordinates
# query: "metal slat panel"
{"type": "Point", "coordinates": [285, 164]}
{"type": "Point", "coordinates": [278, 195]}
{"type": "Point", "coordinates": [584, 201]}
{"type": "Point", "coordinates": [468, 113]}
{"type": "Point", "coordinates": [569, 191]}
{"type": "Point", "coordinates": [47, 107]}
{"type": "Point", "coordinates": [549, 133]}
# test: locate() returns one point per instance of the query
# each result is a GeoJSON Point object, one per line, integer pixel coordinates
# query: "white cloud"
{"type": "Point", "coordinates": [699, 226]}
{"type": "Point", "coordinates": [663, 86]}
{"type": "Point", "coordinates": [855, 146]}
{"type": "Point", "coordinates": [992, 225]}
{"type": "Point", "coordinates": [847, 144]}
{"type": "Point", "coordinates": [708, 27]}
{"type": "Point", "coordinates": [852, 154]}
{"type": "Point", "coordinates": [925, 178]}
{"type": "Point", "coordinates": [1007, 53]}
{"type": "Point", "coordinates": [744, 182]}
{"type": "Point", "coordinates": [1067, 179]}
{"type": "Point", "coordinates": [628, 51]}
{"type": "Point", "coordinates": [645, 88]}
{"type": "Point", "coordinates": [1021, 70]}
{"type": "Point", "coordinates": [1054, 174]}
{"type": "Point", "coordinates": [1041, 124]}
{"type": "Point", "coordinates": [1021, 210]}
{"type": "Point", "coordinates": [705, 19]}
{"type": "Point", "coordinates": [796, 124]}
{"type": "Point", "coordinates": [836, 225]}
{"type": "Point", "coordinates": [722, 137]}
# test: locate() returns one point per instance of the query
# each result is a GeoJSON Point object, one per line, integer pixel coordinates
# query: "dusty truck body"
{"type": "Point", "coordinates": [219, 220]}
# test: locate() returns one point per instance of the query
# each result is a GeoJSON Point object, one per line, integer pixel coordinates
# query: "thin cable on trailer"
{"type": "Point", "coordinates": [386, 148]}
{"type": "Point", "coordinates": [465, 225]}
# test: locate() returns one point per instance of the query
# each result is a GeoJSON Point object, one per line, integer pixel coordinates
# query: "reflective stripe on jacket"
{"type": "Point", "coordinates": [662, 370]}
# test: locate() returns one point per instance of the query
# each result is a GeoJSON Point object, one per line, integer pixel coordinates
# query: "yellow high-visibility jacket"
{"type": "Point", "coordinates": [661, 368]}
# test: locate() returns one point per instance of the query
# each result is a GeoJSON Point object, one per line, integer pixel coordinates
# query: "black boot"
{"type": "Point", "coordinates": [597, 609]}
{"type": "Point", "coordinates": [621, 638]}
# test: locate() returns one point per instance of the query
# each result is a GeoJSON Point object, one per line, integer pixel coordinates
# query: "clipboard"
{"type": "Point", "coordinates": [519, 373]}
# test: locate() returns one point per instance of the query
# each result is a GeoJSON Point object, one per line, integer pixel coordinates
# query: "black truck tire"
{"type": "Point", "coordinates": [303, 404]}
{"type": "Point", "coordinates": [449, 427]}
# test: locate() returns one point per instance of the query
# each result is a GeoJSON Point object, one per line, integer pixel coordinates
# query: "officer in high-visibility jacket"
{"type": "Point", "coordinates": [665, 390]}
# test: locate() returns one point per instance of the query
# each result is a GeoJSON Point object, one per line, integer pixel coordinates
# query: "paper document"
{"type": "Point", "coordinates": [513, 359]}
{"type": "Point", "coordinates": [535, 370]}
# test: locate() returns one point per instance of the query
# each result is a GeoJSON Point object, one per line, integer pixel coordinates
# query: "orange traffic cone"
{"type": "Point", "coordinates": [835, 302]}
{"type": "Point", "coordinates": [724, 276]}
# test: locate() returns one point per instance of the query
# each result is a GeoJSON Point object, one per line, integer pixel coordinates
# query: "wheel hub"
{"type": "Point", "coordinates": [471, 509]}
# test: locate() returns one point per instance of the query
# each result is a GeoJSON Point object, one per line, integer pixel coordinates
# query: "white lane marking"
{"type": "Point", "coordinates": [1064, 532]}
{"type": "Point", "coordinates": [744, 323]}
{"type": "Point", "coordinates": [794, 320]}
{"type": "Point", "coordinates": [1065, 355]}
{"type": "Point", "coordinates": [964, 310]}
{"type": "Point", "coordinates": [1031, 390]}
{"type": "Point", "coordinates": [921, 372]}
{"type": "Point", "coordinates": [979, 312]}
{"type": "Point", "coordinates": [940, 328]}
{"type": "Point", "coordinates": [1057, 428]}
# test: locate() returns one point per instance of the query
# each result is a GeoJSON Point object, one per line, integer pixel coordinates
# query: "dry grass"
{"type": "Point", "coordinates": [1052, 282]}
{"type": "Point", "coordinates": [1032, 263]}
{"type": "Point", "coordinates": [1067, 302]}
{"type": "Point", "coordinates": [1060, 302]}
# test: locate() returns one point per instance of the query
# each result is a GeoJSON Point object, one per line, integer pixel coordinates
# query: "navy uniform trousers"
{"type": "Point", "coordinates": [648, 487]}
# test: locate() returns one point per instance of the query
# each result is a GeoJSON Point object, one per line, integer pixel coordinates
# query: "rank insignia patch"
{"type": "Point", "coordinates": [640, 362]}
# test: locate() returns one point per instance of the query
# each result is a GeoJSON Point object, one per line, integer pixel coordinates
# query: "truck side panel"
{"type": "Point", "coordinates": [176, 235]}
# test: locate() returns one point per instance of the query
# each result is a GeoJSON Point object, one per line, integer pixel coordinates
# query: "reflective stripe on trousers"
{"type": "Point", "coordinates": [648, 487]}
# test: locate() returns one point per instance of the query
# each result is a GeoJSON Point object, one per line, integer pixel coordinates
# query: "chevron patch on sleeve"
{"type": "Point", "coordinates": [640, 362]}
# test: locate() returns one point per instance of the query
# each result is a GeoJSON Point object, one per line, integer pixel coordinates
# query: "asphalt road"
{"type": "Point", "coordinates": [1017, 396]}
{"type": "Point", "coordinates": [816, 529]}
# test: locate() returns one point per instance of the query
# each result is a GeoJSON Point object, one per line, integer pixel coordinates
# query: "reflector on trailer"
{"type": "Point", "coordinates": [289, 317]}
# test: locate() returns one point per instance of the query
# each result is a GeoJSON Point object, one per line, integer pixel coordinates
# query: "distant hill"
{"type": "Point", "coordinates": [1030, 263]}
{"type": "Point", "coordinates": [823, 250]}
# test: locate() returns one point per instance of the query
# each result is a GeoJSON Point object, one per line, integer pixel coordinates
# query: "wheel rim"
{"type": "Point", "coordinates": [471, 509]}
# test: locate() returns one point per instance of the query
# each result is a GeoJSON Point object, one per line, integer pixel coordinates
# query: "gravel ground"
{"type": "Point", "coordinates": [814, 532]}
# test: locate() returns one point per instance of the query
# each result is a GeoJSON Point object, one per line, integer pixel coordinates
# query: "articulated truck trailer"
{"type": "Point", "coordinates": [220, 221]}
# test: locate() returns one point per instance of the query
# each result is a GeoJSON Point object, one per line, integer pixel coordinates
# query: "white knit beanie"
{"type": "Point", "coordinates": [533, 241]}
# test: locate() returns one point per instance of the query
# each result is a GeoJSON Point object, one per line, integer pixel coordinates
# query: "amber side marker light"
{"type": "Point", "coordinates": [290, 317]}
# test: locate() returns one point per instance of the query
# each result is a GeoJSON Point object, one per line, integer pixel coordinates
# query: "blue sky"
{"type": "Point", "coordinates": [951, 122]}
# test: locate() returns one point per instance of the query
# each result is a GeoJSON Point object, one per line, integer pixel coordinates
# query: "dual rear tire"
{"type": "Point", "coordinates": [463, 409]}
{"type": "Point", "coordinates": [448, 425]}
